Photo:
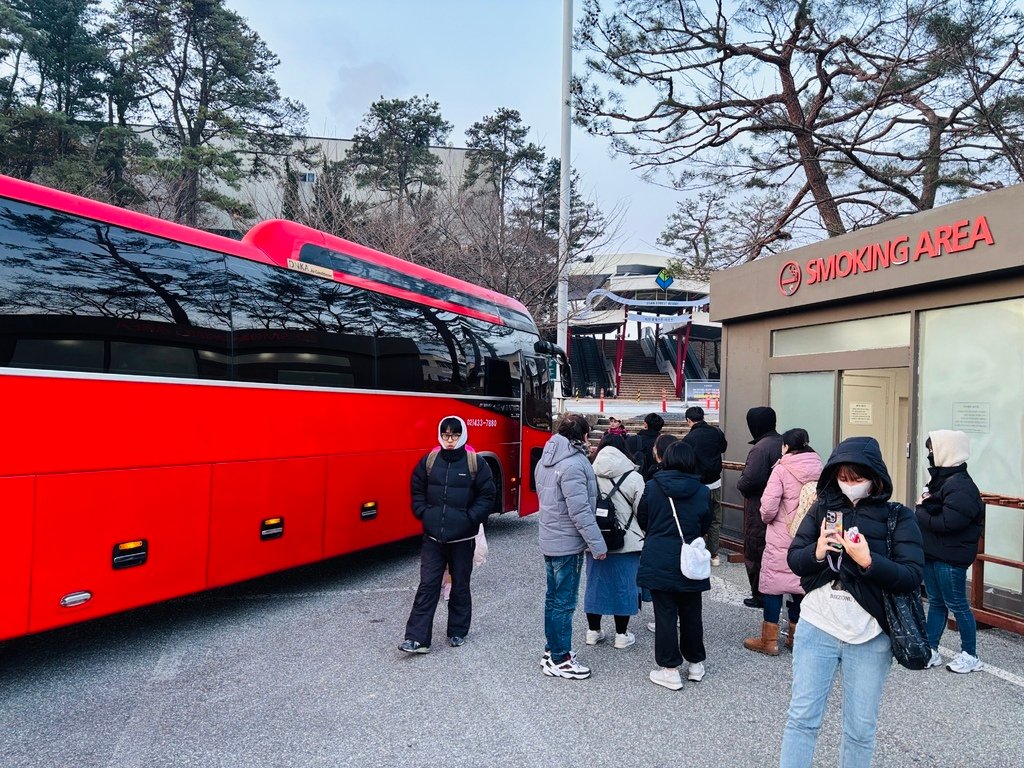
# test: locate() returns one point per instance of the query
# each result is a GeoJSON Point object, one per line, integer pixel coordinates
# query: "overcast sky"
{"type": "Point", "coordinates": [471, 56]}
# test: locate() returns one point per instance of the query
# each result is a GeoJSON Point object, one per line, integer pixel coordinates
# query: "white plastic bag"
{"type": "Point", "coordinates": [480, 552]}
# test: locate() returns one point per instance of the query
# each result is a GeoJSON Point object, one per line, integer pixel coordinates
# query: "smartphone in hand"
{"type": "Point", "coordinates": [834, 524]}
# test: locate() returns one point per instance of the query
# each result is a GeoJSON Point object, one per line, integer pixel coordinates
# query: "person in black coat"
{"type": "Point", "coordinates": [951, 515]}
{"type": "Point", "coordinates": [708, 444]}
{"type": "Point", "coordinates": [677, 599]}
{"type": "Point", "coordinates": [841, 554]}
{"type": "Point", "coordinates": [453, 499]}
{"type": "Point", "coordinates": [641, 444]}
{"type": "Point", "coordinates": [758, 468]}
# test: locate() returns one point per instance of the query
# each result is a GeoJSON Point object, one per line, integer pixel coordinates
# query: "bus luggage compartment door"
{"type": "Point", "coordinates": [16, 497]}
{"type": "Point", "coordinates": [82, 517]}
{"type": "Point", "coordinates": [355, 480]}
{"type": "Point", "coordinates": [287, 494]}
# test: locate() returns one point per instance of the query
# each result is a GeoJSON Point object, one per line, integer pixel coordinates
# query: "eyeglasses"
{"type": "Point", "coordinates": [447, 436]}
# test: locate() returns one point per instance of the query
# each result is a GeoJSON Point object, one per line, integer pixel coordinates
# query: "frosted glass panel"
{"type": "Point", "coordinates": [806, 400]}
{"type": "Point", "coordinates": [972, 379]}
{"type": "Point", "coordinates": [870, 333]}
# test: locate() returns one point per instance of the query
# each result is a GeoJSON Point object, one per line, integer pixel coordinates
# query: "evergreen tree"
{"type": "Point", "coordinates": [210, 92]}
{"type": "Point", "coordinates": [391, 150]}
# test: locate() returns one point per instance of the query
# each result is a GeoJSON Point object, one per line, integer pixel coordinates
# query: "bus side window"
{"type": "Point", "coordinates": [498, 378]}
{"type": "Point", "coordinates": [291, 328]}
{"type": "Point", "coordinates": [537, 400]}
{"type": "Point", "coordinates": [73, 289]}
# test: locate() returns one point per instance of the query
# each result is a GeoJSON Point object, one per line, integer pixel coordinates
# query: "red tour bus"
{"type": "Point", "coordinates": [184, 411]}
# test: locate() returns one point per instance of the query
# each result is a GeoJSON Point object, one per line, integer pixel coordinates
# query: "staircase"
{"type": "Point", "coordinates": [641, 379]}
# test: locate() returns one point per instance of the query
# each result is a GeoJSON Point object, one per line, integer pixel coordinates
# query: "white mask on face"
{"type": "Point", "coordinates": [856, 491]}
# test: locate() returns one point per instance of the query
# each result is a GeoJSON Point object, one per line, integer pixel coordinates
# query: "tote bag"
{"type": "Point", "coordinates": [694, 558]}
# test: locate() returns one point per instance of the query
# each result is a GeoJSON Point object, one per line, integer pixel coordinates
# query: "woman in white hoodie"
{"type": "Point", "coordinates": [611, 583]}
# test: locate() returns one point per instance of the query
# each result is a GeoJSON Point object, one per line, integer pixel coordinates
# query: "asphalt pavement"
{"type": "Point", "coordinates": [302, 669]}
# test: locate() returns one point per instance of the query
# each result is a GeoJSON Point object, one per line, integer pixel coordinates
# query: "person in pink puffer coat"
{"type": "Point", "coordinates": [799, 464]}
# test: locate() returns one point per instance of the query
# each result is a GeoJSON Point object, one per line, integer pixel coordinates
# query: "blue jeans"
{"type": "Point", "coordinates": [817, 657]}
{"type": "Point", "coordinates": [947, 591]}
{"type": "Point", "coordinates": [773, 608]}
{"type": "Point", "coordinates": [560, 602]}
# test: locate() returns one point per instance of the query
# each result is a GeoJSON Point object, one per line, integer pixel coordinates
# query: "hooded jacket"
{"type": "Point", "coordinates": [898, 571]}
{"type": "Point", "coordinates": [709, 444]}
{"type": "Point", "coordinates": [778, 505]}
{"type": "Point", "coordinates": [762, 457]}
{"type": "Point", "coordinates": [451, 502]}
{"type": "Point", "coordinates": [659, 560]}
{"type": "Point", "coordinates": [567, 491]}
{"type": "Point", "coordinates": [610, 465]}
{"type": "Point", "coordinates": [952, 515]}
{"type": "Point", "coordinates": [642, 446]}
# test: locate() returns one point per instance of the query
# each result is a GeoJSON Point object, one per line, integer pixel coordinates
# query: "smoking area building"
{"type": "Point", "coordinates": [912, 325]}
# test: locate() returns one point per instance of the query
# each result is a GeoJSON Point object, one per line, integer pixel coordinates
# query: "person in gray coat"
{"type": "Point", "coordinates": [567, 491]}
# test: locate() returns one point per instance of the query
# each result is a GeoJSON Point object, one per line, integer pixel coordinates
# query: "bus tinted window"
{"type": "Point", "coordinates": [82, 295]}
{"type": "Point", "coordinates": [291, 328]}
{"type": "Point", "coordinates": [417, 350]}
{"type": "Point", "coordinates": [537, 398]}
{"type": "Point", "coordinates": [350, 265]}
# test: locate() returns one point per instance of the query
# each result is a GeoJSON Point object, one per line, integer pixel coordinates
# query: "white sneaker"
{"type": "Point", "coordinates": [650, 626]}
{"type": "Point", "coordinates": [715, 560]}
{"type": "Point", "coordinates": [595, 636]}
{"type": "Point", "coordinates": [667, 678]}
{"type": "Point", "coordinates": [547, 657]}
{"type": "Point", "coordinates": [963, 663]}
{"type": "Point", "coordinates": [696, 673]}
{"type": "Point", "coordinates": [934, 661]}
{"type": "Point", "coordinates": [570, 669]}
{"type": "Point", "coordinates": [624, 640]}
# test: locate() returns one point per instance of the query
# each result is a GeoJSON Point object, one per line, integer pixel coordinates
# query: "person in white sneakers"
{"type": "Point", "coordinates": [611, 583]}
{"type": "Point", "coordinates": [708, 444]}
{"type": "Point", "coordinates": [951, 515]}
{"type": "Point", "coordinates": [567, 492]}
{"type": "Point", "coordinates": [675, 493]}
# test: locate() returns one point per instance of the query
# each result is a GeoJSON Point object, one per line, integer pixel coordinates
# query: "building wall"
{"type": "Point", "coordinates": [963, 308]}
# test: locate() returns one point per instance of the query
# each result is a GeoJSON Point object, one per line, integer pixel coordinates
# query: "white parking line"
{"type": "Point", "coordinates": [1002, 674]}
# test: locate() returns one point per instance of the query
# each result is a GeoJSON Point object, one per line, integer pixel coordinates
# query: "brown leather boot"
{"type": "Point", "coordinates": [767, 643]}
{"type": "Point", "coordinates": [790, 635]}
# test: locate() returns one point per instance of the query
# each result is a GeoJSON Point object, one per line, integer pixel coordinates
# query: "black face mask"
{"type": "Point", "coordinates": [931, 459]}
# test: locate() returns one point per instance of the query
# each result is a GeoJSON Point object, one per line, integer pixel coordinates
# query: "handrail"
{"type": "Point", "coordinates": [985, 615]}
{"type": "Point", "coordinates": [991, 616]}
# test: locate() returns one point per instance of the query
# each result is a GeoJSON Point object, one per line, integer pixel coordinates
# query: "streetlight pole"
{"type": "Point", "coordinates": [563, 207]}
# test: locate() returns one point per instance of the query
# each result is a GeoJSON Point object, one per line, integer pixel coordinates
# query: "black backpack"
{"type": "Point", "coordinates": [613, 531]}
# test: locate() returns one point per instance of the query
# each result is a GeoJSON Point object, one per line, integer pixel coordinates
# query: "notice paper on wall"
{"type": "Point", "coordinates": [861, 413]}
{"type": "Point", "coordinates": [972, 417]}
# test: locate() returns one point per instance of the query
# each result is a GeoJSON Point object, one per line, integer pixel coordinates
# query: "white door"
{"type": "Point", "coordinates": [875, 403]}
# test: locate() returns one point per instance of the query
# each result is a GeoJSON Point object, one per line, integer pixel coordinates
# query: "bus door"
{"type": "Point", "coordinates": [535, 426]}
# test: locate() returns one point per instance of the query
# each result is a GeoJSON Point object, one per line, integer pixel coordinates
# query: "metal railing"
{"type": "Point", "coordinates": [985, 615]}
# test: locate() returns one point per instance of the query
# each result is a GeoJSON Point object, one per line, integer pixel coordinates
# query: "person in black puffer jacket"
{"type": "Point", "coordinates": [453, 501]}
{"type": "Point", "coordinates": [708, 444]}
{"type": "Point", "coordinates": [951, 515]}
{"type": "Point", "coordinates": [677, 599]}
{"type": "Point", "coordinates": [842, 617]}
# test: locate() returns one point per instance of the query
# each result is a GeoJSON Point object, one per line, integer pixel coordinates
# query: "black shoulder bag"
{"type": "Point", "coordinates": [904, 611]}
{"type": "Point", "coordinates": [612, 531]}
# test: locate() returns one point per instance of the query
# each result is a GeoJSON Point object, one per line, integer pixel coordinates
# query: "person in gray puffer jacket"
{"type": "Point", "coordinates": [567, 491]}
